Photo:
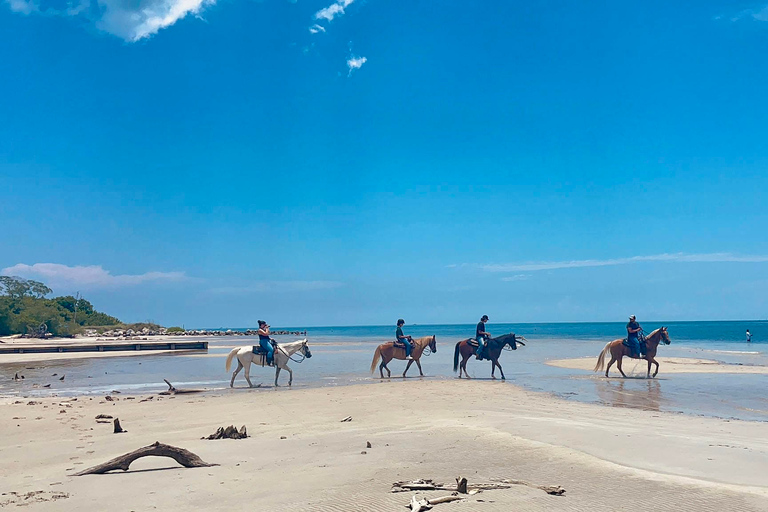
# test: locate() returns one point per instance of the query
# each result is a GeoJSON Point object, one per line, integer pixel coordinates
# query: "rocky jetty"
{"type": "Point", "coordinates": [130, 334]}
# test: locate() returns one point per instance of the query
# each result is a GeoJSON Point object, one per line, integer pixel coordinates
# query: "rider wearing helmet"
{"type": "Point", "coordinates": [405, 340]}
{"type": "Point", "coordinates": [633, 338]}
{"type": "Point", "coordinates": [265, 341]}
{"type": "Point", "coordinates": [481, 336]}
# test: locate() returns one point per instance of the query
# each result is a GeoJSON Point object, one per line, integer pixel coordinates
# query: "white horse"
{"type": "Point", "coordinates": [245, 357]}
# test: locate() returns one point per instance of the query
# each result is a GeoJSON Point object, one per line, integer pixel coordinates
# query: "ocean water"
{"type": "Point", "coordinates": [342, 356]}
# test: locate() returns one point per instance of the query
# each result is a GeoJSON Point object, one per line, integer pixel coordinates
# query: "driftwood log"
{"type": "Point", "coordinates": [180, 455]}
{"type": "Point", "coordinates": [431, 485]}
{"type": "Point", "coordinates": [417, 505]}
{"type": "Point", "coordinates": [118, 428]}
{"type": "Point", "coordinates": [173, 391]}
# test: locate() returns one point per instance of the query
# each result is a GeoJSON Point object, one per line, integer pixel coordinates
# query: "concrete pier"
{"type": "Point", "coordinates": [31, 348]}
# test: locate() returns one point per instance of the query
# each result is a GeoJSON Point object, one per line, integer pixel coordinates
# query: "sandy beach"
{"type": "Point", "coordinates": [666, 365]}
{"type": "Point", "coordinates": [302, 457]}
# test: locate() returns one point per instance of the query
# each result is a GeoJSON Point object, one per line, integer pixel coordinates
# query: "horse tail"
{"type": "Point", "coordinates": [601, 357]}
{"type": "Point", "coordinates": [230, 357]}
{"type": "Point", "coordinates": [456, 357]}
{"type": "Point", "coordinates": [376, 357]}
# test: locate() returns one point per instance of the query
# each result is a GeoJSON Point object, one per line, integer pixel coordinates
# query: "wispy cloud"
{"type": "Point", "coordinates": [517, 277]}
{"type": "Point", "coordinates": [758, 14]}
{"type": "Point", "coordinates": [314, 29]}
{"type": "Point", "coordinates": [93, 276]}
{"type": "Point", "coordinates": [676, 257]}
{"type": "Point", "coordinates": [354, 62]}
{"type": "Point", "coordinates": [131, 20]}
{"type": "Point", "coordinates": [333, 10]}
{"type": "Point", "coordinates": [276, 286]}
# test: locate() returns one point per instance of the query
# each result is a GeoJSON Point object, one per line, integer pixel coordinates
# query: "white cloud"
{"type": "Point", "coordinates": [23, 6]}
{"type": "Point", "coordinates": [94, 276]}
{"type": "Point", "coordinates": [518, 277]}
{"type": "Point", "coordinates": [131, 20]}
{"type": "Point", "coordinates": [333, 10]}
{"type": "Point", "coordinates": [354, 63]}
{"type": "Point", "coordinates": [759, 14]}
{"type": "Point", "coordinates": [676, 257]}
{"type": "Point", "coordinates": [277, 286]}
{"type": "Point", "coordinates": [314, 29]}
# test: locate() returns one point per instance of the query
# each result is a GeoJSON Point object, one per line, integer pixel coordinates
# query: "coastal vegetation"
{"type": "Point", "coordinates": [24, 309]}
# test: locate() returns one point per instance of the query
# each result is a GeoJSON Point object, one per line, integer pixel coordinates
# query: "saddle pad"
{"type": "Point", "coordinates": [258, 350]}
{"type": "Point", "coordinates": [472, 343]}
{"type": "Point", "coordinates": [398, 344]}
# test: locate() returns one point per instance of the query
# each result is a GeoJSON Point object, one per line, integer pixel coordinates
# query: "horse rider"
{"type": "Point", "coordinates": [481, 336]}
{"type": "Point", "coordinates": [405, 340]}
{"type": "Point", "coordinates": [633, 337]}
{"type": "Point", "coordinates": [265, 342]}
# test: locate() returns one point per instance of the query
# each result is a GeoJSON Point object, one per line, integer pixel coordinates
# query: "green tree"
{"type": "Point", "coordinates": [16, 287]}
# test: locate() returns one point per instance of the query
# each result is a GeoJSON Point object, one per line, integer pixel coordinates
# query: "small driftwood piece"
{"type": "Point", "coordinates": [118, 428]}
{"type": "Point", "coordinates": [229, 432]}
{"type": "Point", "coordinates": [348, 418]}
{"type": "Point", "coordinates": [173, 391]}
{"type": "Point", "coordinates": [180, 455]}
{"type": "Point", "coordinates": [417, 505]}
{"type": "Point", "coordinates": [554, 490]}
{"type": "Point", "coordinates": [461, 485]}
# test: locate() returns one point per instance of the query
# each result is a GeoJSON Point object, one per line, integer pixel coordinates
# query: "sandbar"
{"type": "Point", "coordinates": [666, 365]}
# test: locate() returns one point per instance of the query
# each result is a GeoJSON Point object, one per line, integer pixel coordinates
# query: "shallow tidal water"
{"type": "Point", "coordinates": [342, 356]}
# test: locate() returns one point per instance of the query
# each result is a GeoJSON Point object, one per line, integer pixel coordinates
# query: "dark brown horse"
{"type": "Point", "coordinates": [388, 351]}
{"type": "Point", "coordinates": [491, 351]}
{"type": "Point", "coordinates": [618, 350]}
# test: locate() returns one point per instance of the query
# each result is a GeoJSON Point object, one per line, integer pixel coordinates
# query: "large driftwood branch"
{"type": "Point", "coordinates": [430, 485]}
{"type": "Point", "coordinates": [180, 455]}
{"type": "Point", "coordinates": [426, 504]}
{"type": "Point", "coordinates": [419, 505]}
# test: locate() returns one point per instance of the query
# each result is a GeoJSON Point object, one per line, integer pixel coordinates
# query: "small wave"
{"type": "Point", "coordinates": [732, 352]}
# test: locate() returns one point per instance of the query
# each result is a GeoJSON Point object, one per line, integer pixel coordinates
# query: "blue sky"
{"type": "Point", "coordinates": [210, 163]}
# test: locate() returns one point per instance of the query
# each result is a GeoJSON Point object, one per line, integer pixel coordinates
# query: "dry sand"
{"type": "Point", "coordinates": [607, 458]}
{"type": "Point", "coordinates": [666, 365]}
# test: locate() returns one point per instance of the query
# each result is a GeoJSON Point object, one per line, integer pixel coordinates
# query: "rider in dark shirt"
{"type": "Point", "coordinates": [633, 337]}
{"type": "Point", "coordinates": [405, 340]}
{"type": "Point", "coordinates": [266, 342]}
{"type": "Point", "coordinates": [481, 336]}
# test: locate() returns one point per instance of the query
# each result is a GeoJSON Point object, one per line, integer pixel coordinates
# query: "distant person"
{"type": "Point", "coordinates": [265, 341]}
{"type": "Point", "coordinates": [633, 338]}
{"type": "Point", "coordinates": [405, 340]}
{"type": "Point", "coordinates": [749, 336]}
{"type": "Point", "coordinates": [480, 336]}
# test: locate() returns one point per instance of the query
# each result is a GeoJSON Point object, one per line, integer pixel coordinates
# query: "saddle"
{"type": "Point", "coordinates": [398, 344]}
{"type": "Point", "coordinates": [472, 342]}
{"type": "Point", "coordinates": [643, 347]}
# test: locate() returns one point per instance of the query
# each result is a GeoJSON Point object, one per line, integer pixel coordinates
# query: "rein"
{"type": "Point", "coordinates": [290, 356]}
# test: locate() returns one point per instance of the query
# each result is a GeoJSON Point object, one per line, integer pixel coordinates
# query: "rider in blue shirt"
{"type": "Point", "coordinates": [481, 336]}
{"type": "Point", "coordinates": [633, 338]}
{"type": "Point", "coordinates": [266, 342]}
{"type": "Point", "coordinates": [405, 340]}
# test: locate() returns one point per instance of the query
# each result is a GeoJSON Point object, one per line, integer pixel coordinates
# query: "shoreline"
{"type": "Point", "coordinates": [417, 428]}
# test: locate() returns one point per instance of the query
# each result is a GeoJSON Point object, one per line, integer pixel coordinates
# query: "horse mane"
{"type": "Point", "coordinates": [425, 339]}
{"type": "Point", "coordinates": [654, 333]}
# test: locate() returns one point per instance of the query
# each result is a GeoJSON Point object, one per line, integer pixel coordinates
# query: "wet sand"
{"type": "Point", "coordinates": [302, 457]}
{"type": "Point", "coordinates": [666, 365]}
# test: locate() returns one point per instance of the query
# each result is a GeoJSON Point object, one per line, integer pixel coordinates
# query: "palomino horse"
{"type": "Point", "coordinates": [388, 351]}
{"type": "Point", "coordinates": [283, 353]}
{"type": "Point", "coordinates": [492, 351]}
{"type": "Point", "coordinates": [619, 350]}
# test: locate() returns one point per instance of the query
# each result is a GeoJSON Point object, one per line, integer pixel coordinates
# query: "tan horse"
{"type": "Point", "coordinates": [387, 352]}
{"type": "Point", "coordinates": [618, 350]}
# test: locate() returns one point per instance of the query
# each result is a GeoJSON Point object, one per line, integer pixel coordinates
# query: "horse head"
{"type": "Point", "coordinates": [433, 344]}
{"type": "Point", "coordinates": [665, 336]}
{"type": "Point", "coordinates": [305, 349]}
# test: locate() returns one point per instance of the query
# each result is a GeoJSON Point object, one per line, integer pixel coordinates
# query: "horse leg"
{"type": "Point", "coordinates": [384, 365]}
{"type": "Point", "coordinates": [493, 369]}
{"type": "Point", "coordinates": [464, 365]}
{"type": "Point", "coordinates": [407, 366]}
{"type": "Point", "coordinates": [419, 365]}
{"type": "Point", "coordinates": [648, 375]}
{"type": "Point", "coordinates": [290, 375]}
{"type": "Point", "coordinates": [239, 367]}
{"type": "Point", "coordinates": [613, 360]}
{"type": "Point", "coordinates": [248, 374]}
{"type": "Point", "coordinates": [277, 374]}
{"type": "Point", "coordinates": [500, 369]}
{"type": "Point", "coordinates": [618, 365]}
{"type": "Point", "coordinates": [657, 366]}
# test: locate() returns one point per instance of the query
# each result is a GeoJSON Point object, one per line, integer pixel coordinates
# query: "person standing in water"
{"type": "Point", "coordinates": [749, 336]}
{"type": "Point", "coordinates": [405, 340]}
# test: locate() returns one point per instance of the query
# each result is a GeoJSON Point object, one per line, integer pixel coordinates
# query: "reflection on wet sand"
{"type": "Point", "coordinates": [642, 394]}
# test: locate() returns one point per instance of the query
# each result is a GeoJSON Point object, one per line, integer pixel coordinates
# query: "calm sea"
{"type": "Point", "coordinates": [342, 356]}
